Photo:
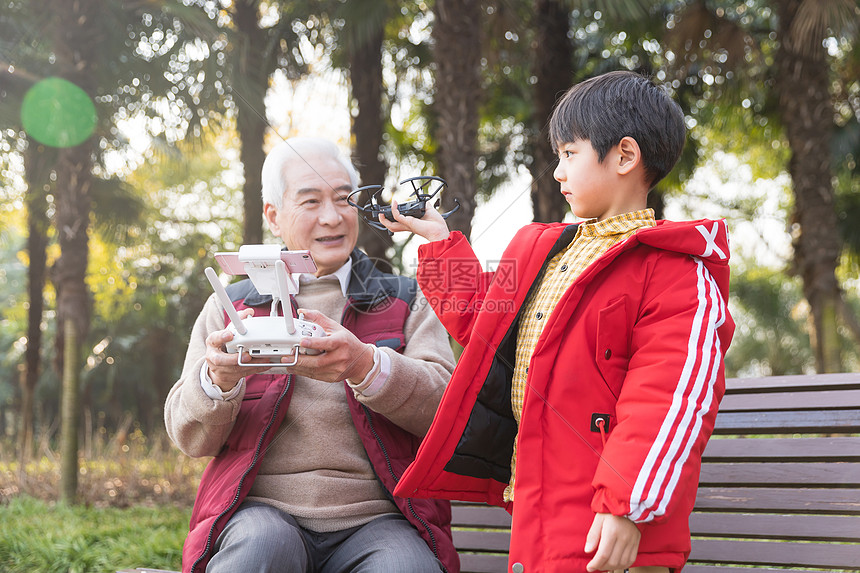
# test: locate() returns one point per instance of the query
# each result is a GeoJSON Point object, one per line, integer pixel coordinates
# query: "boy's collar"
{"type": "Point", "coordinates": [619, 223]}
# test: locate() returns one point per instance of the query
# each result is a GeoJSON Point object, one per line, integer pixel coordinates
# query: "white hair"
{"type": "Point", "coordinates": [298, 148]}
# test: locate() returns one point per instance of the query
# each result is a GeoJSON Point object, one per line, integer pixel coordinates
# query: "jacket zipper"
{"type": "Point", "coordinates": [244, 475]}
{"type": "Point", "coordinates": [417, 517]}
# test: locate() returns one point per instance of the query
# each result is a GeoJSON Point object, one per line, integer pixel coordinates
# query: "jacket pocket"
{"type": "Point", "coordinates": [612, 351]}
{"type": "Point", "coordinates": [256, 386]}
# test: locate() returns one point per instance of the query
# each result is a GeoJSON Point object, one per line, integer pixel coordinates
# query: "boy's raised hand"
{"type": "Point", "coordinates": [616, 539]}
{"type": "Point", "coordinates": [431, 226]}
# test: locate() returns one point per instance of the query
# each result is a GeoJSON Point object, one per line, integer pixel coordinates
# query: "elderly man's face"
{"type": "Point", "coordinates": [315, 214]}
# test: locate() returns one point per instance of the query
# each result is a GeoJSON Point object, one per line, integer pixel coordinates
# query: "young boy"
{"type": "Point", "coordinates": [593, 360]}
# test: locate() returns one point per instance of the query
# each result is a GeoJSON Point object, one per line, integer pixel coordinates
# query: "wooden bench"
{"type": "Point", "coordinates": [779, 489]}
{"type": "Point", "coordinates": [780, 484]}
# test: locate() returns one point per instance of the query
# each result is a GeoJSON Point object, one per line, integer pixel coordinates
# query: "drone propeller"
{"type": "Point", "coordinates": [371, 211]}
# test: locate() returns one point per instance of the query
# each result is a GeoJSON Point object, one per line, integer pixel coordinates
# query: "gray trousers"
{"type": "Point", "coordinates": [262, 538]}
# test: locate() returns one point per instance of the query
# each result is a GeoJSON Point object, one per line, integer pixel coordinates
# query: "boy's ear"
{"type": "Point", "coordinates": [629, 155]}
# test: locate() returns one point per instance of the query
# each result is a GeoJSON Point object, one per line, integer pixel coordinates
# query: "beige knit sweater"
{"type": "Point", "coordinates": [316, 468]}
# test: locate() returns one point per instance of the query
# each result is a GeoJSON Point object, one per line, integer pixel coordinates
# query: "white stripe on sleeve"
{"type": "Point", "coordinates": [682, 422]}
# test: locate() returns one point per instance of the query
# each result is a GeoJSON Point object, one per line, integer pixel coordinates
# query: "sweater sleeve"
{"type": "Point", "coordinates": [418, 376]}
{"type": "Point", "coordinates": [454, 282]}
{"type": "Point", "coordinates": [669, 397]}
{"type": "Point", "coordinates": [196, 423]}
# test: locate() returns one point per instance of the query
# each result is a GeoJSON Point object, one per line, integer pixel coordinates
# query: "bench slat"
{"type": "Point", "coordinates": [776, 553]}
{"type": "Point", "coordinates": [769, 526]}
{"type": "Point", "coordinates": [778, 499]}
{"type": "Point", "coordinates": [479, 515]}
{"type": "Point", "coordinates": [830, 421]}
{"type": "Point", "coordinates": [808, 382]}
{"type": "Point", "coordinates": [801, 474]}
{"type": "Point", "coordinates": [145, 570]}
{"type": "Point", "coordinates": [488, 563]}
{"type": "Point", "coordinates": [827, 400]}
{"type": "Point", "coordinates": [482, 541]}
{"type": "Point", "coordinates": [783, 449]}
{"type": "Point", "coordinates": [718, 569]}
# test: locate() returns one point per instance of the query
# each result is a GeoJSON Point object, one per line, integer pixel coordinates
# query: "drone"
{"type": "Point", "coordinates": [416, 208]}
{"type": "Point", "coordinates": [270, 336]}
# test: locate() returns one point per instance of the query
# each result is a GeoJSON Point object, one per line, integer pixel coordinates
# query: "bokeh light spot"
{"type": "Point", "coordinates": [58, 113]}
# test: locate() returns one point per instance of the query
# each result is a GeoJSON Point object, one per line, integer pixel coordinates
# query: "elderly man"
{"type": "Point", "coordinates": [305, 463]}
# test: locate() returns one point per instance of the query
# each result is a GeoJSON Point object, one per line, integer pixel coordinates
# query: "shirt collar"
{"type": "Point", "coordinates": [342, 275]}
{"type": "Point", "coordinates": [619, 224]}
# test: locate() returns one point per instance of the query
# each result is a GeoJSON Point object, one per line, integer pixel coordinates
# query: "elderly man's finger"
{"type": "Point", "coordinates": [318, 318]}
{"type": "Point", "coordinates": [219, 338]}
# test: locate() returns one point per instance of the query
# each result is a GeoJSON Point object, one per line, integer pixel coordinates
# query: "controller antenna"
{"type": "Point", "coordinates": [284, 295]}
{"type": "Point", "coordinates": [224, 299]}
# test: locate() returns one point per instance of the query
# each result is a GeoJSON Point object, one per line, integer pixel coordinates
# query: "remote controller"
{"type": "Point", "coordinates": [266, 336]}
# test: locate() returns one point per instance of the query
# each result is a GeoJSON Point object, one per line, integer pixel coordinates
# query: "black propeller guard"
{"type": "Point", "coordinates": [371, 211]}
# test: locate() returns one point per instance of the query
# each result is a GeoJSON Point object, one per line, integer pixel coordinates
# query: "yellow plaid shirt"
{"type": "Point", "coordinates": [592, 239]}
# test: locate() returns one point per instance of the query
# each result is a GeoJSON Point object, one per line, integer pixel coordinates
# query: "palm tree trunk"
{"type": "Point", "coordinates": [806, 110]}
{"type": "Point", "coordinates": [553, 68]}
{"type": "Point", "coordinates": [365, 67]}
{"type": "Point", "coordinates": [457, 55]}
{"type": "Point", "coordinates": [76, 38]}
{"type": "Point", "coordinates": [159, 343]}
{"type": "Point", "coordinates": [69, 414]}
{"type": "Point", "coordinates": [37, 243]}
{"type": "Point", "coordinates": [252, 81]}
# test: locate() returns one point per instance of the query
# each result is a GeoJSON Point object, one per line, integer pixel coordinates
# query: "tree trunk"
{"type": "Point", "coordinates": [365, 67]}
{"type": "Point", "coordinates": [806, 110]}
{"type": "Point", "coordinates": [74, 179]}
{"type": "Point", "coordinates": [69, 414]}
{"type": "Point", "coordinates": [457, 56]}
{"type": "Point", "coordinates": [159, 344]}
{"type": "Point", "coordinates": [252, 80]}
{"type": "Point", "coordinates": [37, 242]}
{"type": "Point", "coordinates": [553, 68]}
{"type": "Point", "coordinates": [656, 200]}
{"type": "Point", "coordinates": [76, 38]}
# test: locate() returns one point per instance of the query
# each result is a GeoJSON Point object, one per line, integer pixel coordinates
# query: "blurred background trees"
{"type": "Point", "coordinates": [111, 228]}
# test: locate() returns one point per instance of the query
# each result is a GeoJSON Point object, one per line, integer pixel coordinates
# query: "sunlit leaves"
{"type": "Point", "coordinates": [772, 336]}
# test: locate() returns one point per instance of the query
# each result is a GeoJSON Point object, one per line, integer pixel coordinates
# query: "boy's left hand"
{"type": "Point", "coordinates": [616, 539]}
{"type": "Point", "coordinates": [431, 226]}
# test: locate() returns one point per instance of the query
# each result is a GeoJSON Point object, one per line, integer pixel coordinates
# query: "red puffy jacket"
{"type": "Point", "coordinates": [637, 339]}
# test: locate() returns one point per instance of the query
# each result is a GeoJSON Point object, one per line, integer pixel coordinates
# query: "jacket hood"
{"type": "Point", "coordinates": [705, 239]}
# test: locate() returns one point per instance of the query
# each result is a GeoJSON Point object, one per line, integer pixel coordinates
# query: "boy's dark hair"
{"type": "Point", "coordinates": [606, 108]}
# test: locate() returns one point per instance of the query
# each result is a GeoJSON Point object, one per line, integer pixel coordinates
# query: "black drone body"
{"type": "Point", "coordinates": [416, 208]}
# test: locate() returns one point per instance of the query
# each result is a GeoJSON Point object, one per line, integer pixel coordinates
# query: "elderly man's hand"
{"type": "Point", "coordinates": [342, 354]}
{"type": "Point", "coordinates": [223, 368]}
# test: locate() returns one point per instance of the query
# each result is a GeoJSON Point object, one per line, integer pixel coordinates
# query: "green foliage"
{"type": "Point", "coordinates": [147, 276]}
{"type": "Point", "coordinates": [13, 286]}
{"type": "Point", "coordinates": [848, 212]}
{"type": "Point", "coordinates": [159, 214]}
{"type": "Point", "coordinates": [156, 229]}
{"type": "Point", "coordinates": [53, 538]}
{"type": "Point", "coordinates": [772, 335]}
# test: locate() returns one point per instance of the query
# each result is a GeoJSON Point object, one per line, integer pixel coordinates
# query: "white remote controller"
{"type": "Point", "coordinates": [266, 336]}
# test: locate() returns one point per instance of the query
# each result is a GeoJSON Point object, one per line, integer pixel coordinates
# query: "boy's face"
{"type": "Point", "coordinates": [588, 185]}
